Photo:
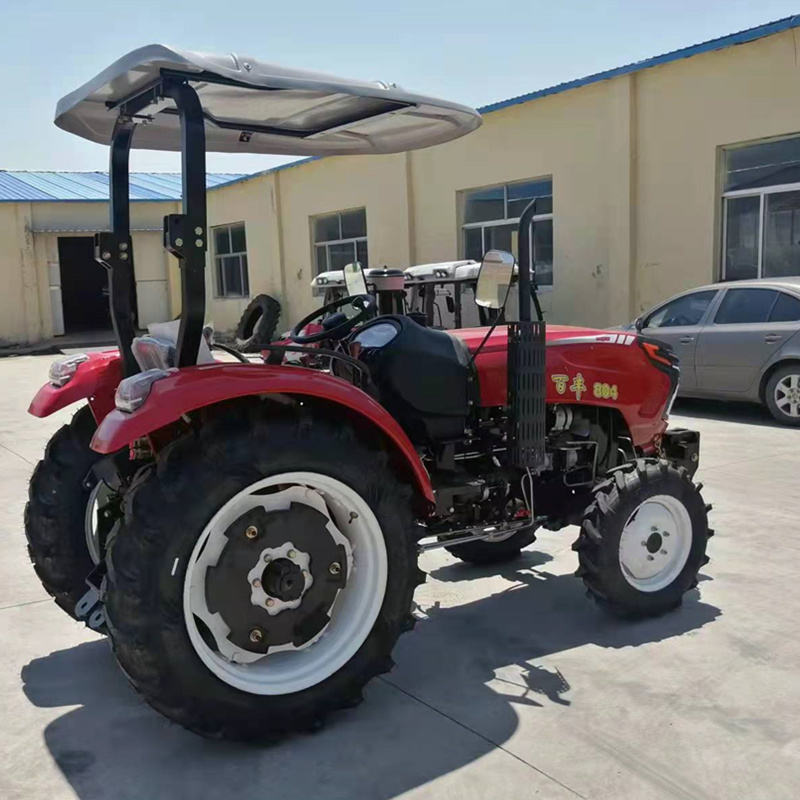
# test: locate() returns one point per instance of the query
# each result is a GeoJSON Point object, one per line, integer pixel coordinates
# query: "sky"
{"type": "Point", "coordinates": [462, 50]}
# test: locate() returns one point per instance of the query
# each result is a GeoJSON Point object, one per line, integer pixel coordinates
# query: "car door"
{"type": "Point", "coordinates": [678, 323]}
{"type": "Point", "coordinates": [747, 330]}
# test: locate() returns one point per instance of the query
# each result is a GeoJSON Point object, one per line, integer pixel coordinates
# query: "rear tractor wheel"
{"type": "Point", "coordinates": [68, 517]}
{"type": "Point", "coordinates": [261, 578]}
{"type": "Point", "coordinates": [643, 539]}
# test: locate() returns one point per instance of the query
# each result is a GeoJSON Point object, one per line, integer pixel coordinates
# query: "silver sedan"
{"type": "Point", "coordinates": [736, 341]}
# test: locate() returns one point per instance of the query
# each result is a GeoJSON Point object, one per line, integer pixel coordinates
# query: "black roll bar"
{"type": "Point", "coordinates": [527, 289]}
{"type": "Point", "coordinates": [185, 235]}
{"type": "Point", "coordinates": [114, 248]}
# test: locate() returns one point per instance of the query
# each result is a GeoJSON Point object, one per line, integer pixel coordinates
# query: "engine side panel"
{"type": "Point", "coordinates": [600, 369]}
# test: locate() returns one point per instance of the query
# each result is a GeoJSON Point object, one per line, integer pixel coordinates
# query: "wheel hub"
{"type": "Point", "coordinates": [280, 578]}
{"type": "Point", "coordinates": [271, 587]}
{"type": "Point", "coordinates": [787, 395]}
{"type": "Point", "coordinates": [655, 543]}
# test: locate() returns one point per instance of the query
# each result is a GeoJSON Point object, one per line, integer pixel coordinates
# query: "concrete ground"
{"type": "Point", "coordinates": [512, 686]}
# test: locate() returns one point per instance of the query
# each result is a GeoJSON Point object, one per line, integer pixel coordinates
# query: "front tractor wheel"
{"type": "Point", "coordinates": [643, 539]}
{"type": "Point", "coordinates": [262, 577]}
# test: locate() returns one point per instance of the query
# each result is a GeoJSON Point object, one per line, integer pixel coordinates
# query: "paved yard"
{"type": "Point", "coordinates": [513, 685]}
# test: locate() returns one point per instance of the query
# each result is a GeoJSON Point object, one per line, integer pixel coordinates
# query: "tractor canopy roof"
{"type": "Point", "coordinates": [251, 106]}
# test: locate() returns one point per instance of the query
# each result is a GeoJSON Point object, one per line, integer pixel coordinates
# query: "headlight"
{"type": "Point", "coordinates": [321, 281]}
{"type": "Point", "coordinates": [62, 369]}
{"type": "Point", "coordinates": [151, 352]}
{"type": "Point", "coordinates": [132, 392]}
{"type": "Point", "coordinates": [441, 273]}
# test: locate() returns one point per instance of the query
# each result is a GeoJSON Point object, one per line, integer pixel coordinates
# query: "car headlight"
{"type": "Point", "coordinates": [62, 369]}
{"type": "Point", "coordinates": [133, 391]}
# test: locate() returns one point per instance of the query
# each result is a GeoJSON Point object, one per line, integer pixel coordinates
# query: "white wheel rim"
{"type": "Point", "coordinates": [787, 395]}
{"type": "Point", "coordinates": [655, 543]}
{"type": "Point", "coordinates": [354, 611]}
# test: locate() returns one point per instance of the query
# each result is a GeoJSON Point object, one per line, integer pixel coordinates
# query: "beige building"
{"type": "Point", "coordinates": [652, 178]}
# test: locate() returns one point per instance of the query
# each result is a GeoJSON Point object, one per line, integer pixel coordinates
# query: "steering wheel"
{"type": "Point", "coordinates": [365, 302]}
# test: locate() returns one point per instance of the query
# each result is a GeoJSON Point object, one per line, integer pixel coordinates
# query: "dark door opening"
{"type": "Point", "coordinates": [84, 286]}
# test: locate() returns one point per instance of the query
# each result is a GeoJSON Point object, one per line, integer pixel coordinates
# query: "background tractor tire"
{"type": "Point", "coordinates": [258, 323]}
{"type": "Point", "coordinates": [149, 556]}
{"type": "Point", "coordinates": [617, 503]}
{"type": "Point", "coordinates": [494, 552]}
{"type": "Point", "coordinates": [55, 515]}
{"type": "Point", "coordinates": [788, 378]}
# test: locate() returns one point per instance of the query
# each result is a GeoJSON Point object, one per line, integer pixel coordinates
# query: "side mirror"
{"type": "Point", "coordinates": [354, 281]}
{"type": "Point", "coordinates": [638, 323]}
{"type": "Point", "coordinates": [494, 279]}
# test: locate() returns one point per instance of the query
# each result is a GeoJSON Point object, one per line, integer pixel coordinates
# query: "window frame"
{"type": "Point", "coordinates": [761, 193]}
{"type": "Point", "coordinates": [506, 221]}
{"type": "Point", "coordinates": [219, 272]}
{"type": "Point", "coordinates": [327, 243]}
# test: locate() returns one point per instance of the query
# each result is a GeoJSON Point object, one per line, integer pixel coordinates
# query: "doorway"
{"type": "Point", "coordinates": [84, 286]}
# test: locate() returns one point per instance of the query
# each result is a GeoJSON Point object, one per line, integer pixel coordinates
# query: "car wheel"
{"type": "Point", "coordinates": [782, 394]}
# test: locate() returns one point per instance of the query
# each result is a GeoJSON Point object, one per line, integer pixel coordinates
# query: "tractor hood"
{"type": "Point", "coordinates": [499, 337]}
{"type": "Point", "coordinates": [252, 106]}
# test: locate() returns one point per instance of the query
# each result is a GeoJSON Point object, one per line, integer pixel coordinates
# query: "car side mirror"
{"type": "Point", "coordinates": [639, 324]}
{"type": "Point", "coordinates": [494, 279]}
{"type": "Point", "coordinates": [354, 280]}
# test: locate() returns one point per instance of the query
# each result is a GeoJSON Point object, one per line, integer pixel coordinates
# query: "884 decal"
{"type": "Point", "coordinates": [577, 386]}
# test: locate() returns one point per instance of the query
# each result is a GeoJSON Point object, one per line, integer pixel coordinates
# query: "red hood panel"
{"type": "Point", "coordinates": [498, 340]}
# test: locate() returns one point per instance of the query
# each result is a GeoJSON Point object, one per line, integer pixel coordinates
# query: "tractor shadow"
{"type": "Point", "coordinates": [475, 661]}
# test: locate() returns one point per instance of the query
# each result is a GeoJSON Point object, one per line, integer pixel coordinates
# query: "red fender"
{"type": "Point", "coordinates": [95, 379]}
{"type": "Point", "coordinates": [195, 387]}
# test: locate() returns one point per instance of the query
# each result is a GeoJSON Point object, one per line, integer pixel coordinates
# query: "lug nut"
{"type": "Point", "coordinates": [257, 583]}
{"type": "Point", "coordinates": [649, 558]}
{"type": "Point", "coordinates": [644, 544]}
{"type": "Point", "coordinates": [267, 559]}
{"type": "Point", "coordinates": [251, 532]}
{"type": "Point", "coordinates": [654, 529]}
{"type": "Point", "coordinates": [335, 568]}
{"type": "Point", "coordinates": [292, 553]}
{"type": "Point", "coordinates": [256, 636]}
{"type": "Point", "coordinates": [663, 552]}
{"type": "Point", "coordinates": [106, 255]}
{"type": "Point", "coordinates": [305, 573]}
{"type": "Point", "coordinates": [198, 231]}
{"type": "Point", "coordinates": [665, 533]}
{"type": "Point", "coordinates": [270, 602]}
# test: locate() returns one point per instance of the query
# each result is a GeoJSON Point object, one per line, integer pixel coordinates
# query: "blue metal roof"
{"type": "Point", "coordinates": [749, 35]}
{"type": "Point", "coordinates": [93, 186]}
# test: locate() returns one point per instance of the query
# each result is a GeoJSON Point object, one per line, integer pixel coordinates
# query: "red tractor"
{"type": "Point", "coordinates": [247, 534]}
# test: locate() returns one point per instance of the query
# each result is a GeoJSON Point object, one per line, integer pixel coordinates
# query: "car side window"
{"type": "Point", "coordinates": [745, 306]}
{"type": "Point", "coordinates": [786, 309]}
{"type": "Point", "coordinates": [682, 311]}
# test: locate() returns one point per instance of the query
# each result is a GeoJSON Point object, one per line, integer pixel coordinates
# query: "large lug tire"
{"type": "Point", "coordinates": [782, 394]}
{"type": "Point", "coordinates": [58, 512]}
{"type": "Point", "coordinates": [173, 522]}
{"type": "Point", "coordinates": [643, 539]}
{"type": "Point", "coordinates": [258, 323]}
{"type": "Point", "coordinates": [494, 552]}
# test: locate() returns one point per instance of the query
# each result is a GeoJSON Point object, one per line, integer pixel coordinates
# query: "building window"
{"type": "Point", "coordinates": [761, 211]}
{"type": "Point", "coordinates": [340, 239]}
{"type": "Point", "coordinates": [230, 260]}
{"type": "Point", "coordinates": [491, 217]}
